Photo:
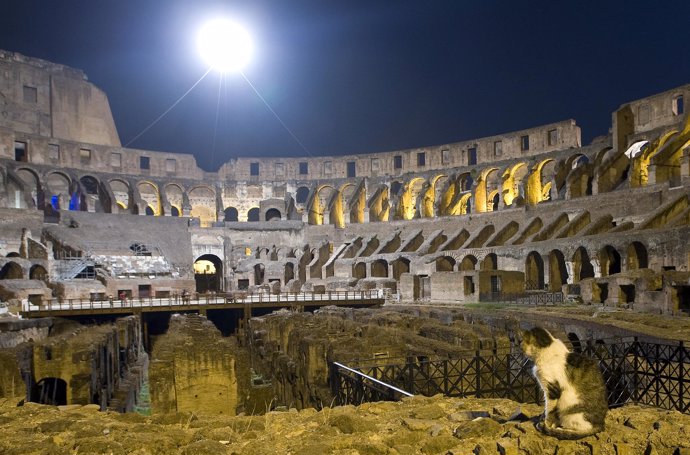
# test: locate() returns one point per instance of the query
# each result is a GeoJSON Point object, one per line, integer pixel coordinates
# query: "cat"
{"type": "Point", "coordinates": [575, 403]}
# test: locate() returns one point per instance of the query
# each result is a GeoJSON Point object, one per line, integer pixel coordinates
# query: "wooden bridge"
{"type": "Point", "coordinates": [201, 304]}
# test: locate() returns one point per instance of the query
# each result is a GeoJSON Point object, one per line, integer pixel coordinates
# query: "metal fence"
{"type": "Point", "coordinates": [634, 371]}
{"type": "Point", "coordinates": [525, 298]}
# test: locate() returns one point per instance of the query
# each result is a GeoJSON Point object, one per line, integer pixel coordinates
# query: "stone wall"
{"type": "Point", "coordinates": [194, 369]}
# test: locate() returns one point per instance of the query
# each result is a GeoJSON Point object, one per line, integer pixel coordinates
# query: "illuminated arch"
{"type": "Point", "coordinates": [513, 185]}
{"type": "Point", "coordinates": [537, 191]}
{"type": "Point", "coordinates": [379, 205]}
{"type": "Point", "coordinates": [150, 195]}
{"type": "Point", "coordinates": [121, 191]}
{"type": "Point", "coordinates": [317, 203]}
{"type": "Point", "coordinates": [406, 208]}
{"type": "Point", "coordinates": [202, 199]}
{"type": "Point", "coordinates": [174, 193]}
{"type": "Point", "coordinates": [481, 192]}
{"type": "Point", "coordinates": [58, 190]}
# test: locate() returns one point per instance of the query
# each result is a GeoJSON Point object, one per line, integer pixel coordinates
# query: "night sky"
{"type": "Point", "coordinates": [356, 76]}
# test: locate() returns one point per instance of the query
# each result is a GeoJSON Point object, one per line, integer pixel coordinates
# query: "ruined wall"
{"type": "Point", "coordinates": [47, 99]}
{"type": "Point", "coordinates": [295, 349]}
{"type": "Point", "coordinates": [193, 369]}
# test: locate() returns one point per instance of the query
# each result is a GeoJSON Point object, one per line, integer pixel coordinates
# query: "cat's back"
{"type": "Point", "coordinates": [585, 376]}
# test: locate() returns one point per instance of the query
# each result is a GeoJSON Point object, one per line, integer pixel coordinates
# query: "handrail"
{"type": "Point", "coordinates": [57, 305]}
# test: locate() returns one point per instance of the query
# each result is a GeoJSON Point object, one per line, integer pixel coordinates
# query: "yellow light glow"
{"type": "Point", "coordinates": [225, 45]}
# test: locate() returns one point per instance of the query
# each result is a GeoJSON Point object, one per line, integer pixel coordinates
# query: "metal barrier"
{"type": "Point", "coordinates": [634, 372]}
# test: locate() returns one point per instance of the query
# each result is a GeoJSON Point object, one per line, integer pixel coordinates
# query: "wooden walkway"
{"type": "Point", "coordinates": [201, 304]}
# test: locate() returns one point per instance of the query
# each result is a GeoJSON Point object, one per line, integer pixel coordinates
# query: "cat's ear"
{"type": "Point", "coordinates": [542, 337]}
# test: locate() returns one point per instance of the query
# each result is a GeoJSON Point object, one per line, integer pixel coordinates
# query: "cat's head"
{"type": "Point", "coordinates": [534, 340]}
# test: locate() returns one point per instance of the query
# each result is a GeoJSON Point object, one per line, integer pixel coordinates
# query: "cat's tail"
{"type": "Point", "coordinates": [564, 433]}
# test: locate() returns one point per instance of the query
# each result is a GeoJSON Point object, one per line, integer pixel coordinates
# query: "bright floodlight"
{"type": "Point", "coordinates": [225, 45]}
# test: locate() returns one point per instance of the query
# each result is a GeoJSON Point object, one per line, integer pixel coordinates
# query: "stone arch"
{"type": "Point", "coordinates": [379, 205]}
{"type": "Point", "coordinates": [494, 198]}
{"type": "Point", "coordinates": [208, 273]}
{"type": "Point", "coordinates": [379, 268]}
{"type": "Point", "coordinates": [202, 199]}
{"type": "Point", "coordinates": [490, 262]}
{"type": "Point", "coordinates": [468, 263]}
{"type": "Point", "coordinates": [359, 270]}
{"type": "Point", "coordinates": [149, 211]}
{"type": "Point", "coordinates": [121, 192]}
{"type": "Point", "coordinates": [336, 204]}
{"type": "Point", "coordinates": [395, 187]}
{"type": "Point", "coordinates": [534, 271]}
{"type": "Point", "coordinates": [38, 272]}
{"type": "Point", "coordinates": [58, 190]}
{"type": "Point", "coordinates": [582, 265]}
{"type": "Point", "coordinates": [609, 261]}
{"type": "Point", "coordinates": [231, 214]}
{"type": "Point", "coordinates": [637, 256]}
{"type": "Point", "coordinates": [539, 183]}
{"type": "Point", "coordinates": [487, 184]}
{"type": "Point", "coordinates": [318, 202]}
{"type": "Point", "coordinates": [31, 184]}
{"type": "Point", "coordinates": [407, 200]}
{"type": "Point", "coordinates": [89, 200]}
{"type": "Point", "coordinates": [558, 274]}
{"type": "Point", "coordinates": [175, 211]}
{"type": "Point", "coordinates": [427, 196]}
{"type": "Point", "coordinates": [445, 264]}
{"type": "Point", "coordinates": [273, 214]}
{"type": "Point", "coordinates": [11, 271]}
{"type": "Point", "coordinates": [400, 266]}
{"type": "Point", "coordinates": [302, 195]}
{"type": "Point", "coordinates": [253, 214]}
{"type": "Point", "coordinates": [150, 195]}
{"type": "Point", "coordinates": [174, 193]}
{"type": "Point", "coordinates": [513, 183]}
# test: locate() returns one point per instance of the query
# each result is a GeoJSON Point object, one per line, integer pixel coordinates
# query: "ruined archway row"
{"type": "Point", "coordinates": [456, 191]}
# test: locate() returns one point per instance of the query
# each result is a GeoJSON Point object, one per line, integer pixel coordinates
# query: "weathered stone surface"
{"type": "Point", "coordinates": [44, 430]}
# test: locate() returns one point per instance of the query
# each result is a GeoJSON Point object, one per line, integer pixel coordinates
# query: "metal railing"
{"type": "Point", "coordinates": [356, 387]}
{"type": "Point", "coordinates": [634, 371]}
{"type": "Point", "coordinates": [523, 298]}
{"type": "Point", "coordinates": [107, 304]}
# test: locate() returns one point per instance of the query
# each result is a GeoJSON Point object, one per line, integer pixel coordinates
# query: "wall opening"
{"type": "Point", "coordinates": [52, 391]}
{"type": "Point", "coordinates": [208, 273]}
{"type": "Point", "coordinates": [627, 294]}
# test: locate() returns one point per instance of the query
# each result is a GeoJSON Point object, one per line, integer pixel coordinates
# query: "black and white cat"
{"type": "Point", "coordinates": [573, 387]}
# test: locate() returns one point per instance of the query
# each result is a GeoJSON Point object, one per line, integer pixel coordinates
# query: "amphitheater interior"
{"type": "Point", "coordinates": [531, 210]}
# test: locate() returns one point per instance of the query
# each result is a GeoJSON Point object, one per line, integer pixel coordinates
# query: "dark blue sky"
{"type": "Point", "coordinates": [356, 76]}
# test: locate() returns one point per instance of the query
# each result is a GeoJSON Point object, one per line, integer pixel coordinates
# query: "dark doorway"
{"type": "Point", "coordinates": [52, 391]}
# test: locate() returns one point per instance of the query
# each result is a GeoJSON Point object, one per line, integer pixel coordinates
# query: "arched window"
{"type": "Point", "coordinates": [253, 214]}
{"type": "Point", "coordinates": [272, 215]}
{"type": "Point", "coordinates": [231, 214]}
